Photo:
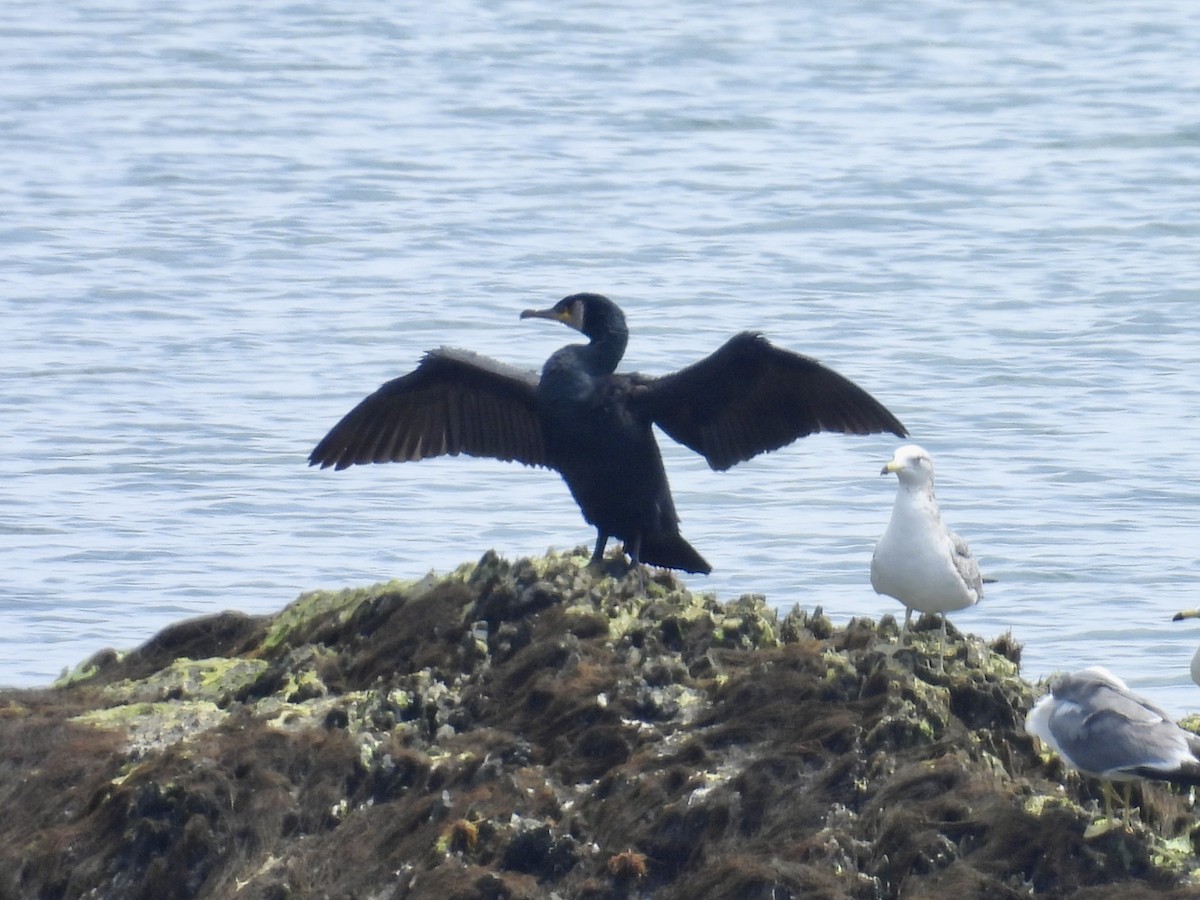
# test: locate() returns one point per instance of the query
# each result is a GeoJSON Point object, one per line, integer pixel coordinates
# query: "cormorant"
{"type": "Point", "coordinates": [594, 426]}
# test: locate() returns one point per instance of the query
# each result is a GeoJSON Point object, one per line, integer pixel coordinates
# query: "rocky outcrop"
{"type": "Point", "coordinates": [539, 729]}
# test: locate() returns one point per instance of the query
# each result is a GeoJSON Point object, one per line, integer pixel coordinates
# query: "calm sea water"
{"type": "Point", "coordinates": [223, 225]}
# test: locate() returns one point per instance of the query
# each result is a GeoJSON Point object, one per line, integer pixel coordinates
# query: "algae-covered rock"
{"type": "Point", "coordinates": [540, 728]}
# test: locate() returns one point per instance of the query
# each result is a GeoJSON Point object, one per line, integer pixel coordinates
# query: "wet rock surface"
{"type": "Point", "coordinates": [539, 729]}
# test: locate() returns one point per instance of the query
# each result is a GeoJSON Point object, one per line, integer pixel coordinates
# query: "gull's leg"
{"type": "Point", "coordinates": [1127, 790]}
{"type": "Point", "coordinates": [1107, 823]}
{"type": "Point", "coordinates": [906, 626]}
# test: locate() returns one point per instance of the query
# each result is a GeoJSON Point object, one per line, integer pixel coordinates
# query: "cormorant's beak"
{"type": "Point", "coordinates": [1186, 614]}
{"type": "Point", "coordinates": [550, 313]}
{"type": "Point", "coordinates": [570, 315]}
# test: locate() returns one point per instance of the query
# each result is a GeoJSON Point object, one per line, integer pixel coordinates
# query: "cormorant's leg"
{"type": "Point", "coordinates": [635, 550]}
{"type": "Point", "coordinates": [635, 561]}
{"type": "Point", "coordinates": [598, 555]}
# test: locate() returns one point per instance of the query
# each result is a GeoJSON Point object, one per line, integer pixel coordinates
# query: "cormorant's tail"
{"type": "Point", "coordinates": [671, 551]}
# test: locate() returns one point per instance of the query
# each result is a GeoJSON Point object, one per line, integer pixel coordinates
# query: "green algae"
{"type": "Point", "coordinates": [211, 680]}
{"type": "Point", "coordinates": [155, 725]}
{"type": "Point", "coordinates": [174, 703]}
{"type": "Point", "coordinates": [315, 606]}
{"type": "Point", "coordinates": [81, 672]}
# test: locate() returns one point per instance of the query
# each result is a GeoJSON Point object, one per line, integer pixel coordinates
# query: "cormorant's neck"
{"type": "Point", "coordinates": [606, 349]}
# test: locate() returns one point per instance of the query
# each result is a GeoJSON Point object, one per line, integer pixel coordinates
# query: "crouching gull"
{"type": "Point", "coordinates": [919, 561]}
{"type": "Point", "coordinates": [1098, 726]}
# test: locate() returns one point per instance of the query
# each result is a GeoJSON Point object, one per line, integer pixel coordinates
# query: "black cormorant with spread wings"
{"type": "Point", "coordinates": [594, 425]}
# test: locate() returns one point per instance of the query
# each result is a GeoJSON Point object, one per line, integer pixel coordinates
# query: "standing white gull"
{"type": "Point", "coordinates": [1179, 617]}
{"type": "Point", "coordinates": [1097, 725]}
{"type": "Point", "coordinates": [919, 561]}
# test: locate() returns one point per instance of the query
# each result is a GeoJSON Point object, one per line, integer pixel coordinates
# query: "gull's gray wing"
{"type": "Point", "coordinates": [967, 566]}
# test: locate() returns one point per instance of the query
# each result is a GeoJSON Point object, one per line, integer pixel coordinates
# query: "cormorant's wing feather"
{"type": "Point", "coordinates": [453, 402]}
{"type": "Point", "coordinates": [751, 396]}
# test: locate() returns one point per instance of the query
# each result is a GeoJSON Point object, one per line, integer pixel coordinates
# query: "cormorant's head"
{"type": "Point", "coordinates": [592, 314]}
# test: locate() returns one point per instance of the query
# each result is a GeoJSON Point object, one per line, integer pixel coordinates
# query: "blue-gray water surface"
{"type": "Point", "coordinates": [223, 223]}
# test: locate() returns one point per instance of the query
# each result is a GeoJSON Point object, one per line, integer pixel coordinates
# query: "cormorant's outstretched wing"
{"type": "Point", "coordinates": [750, 396]}
{"type": "Point", "coordinates": [453, 402]}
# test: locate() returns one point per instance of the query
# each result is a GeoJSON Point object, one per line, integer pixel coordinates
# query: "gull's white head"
{"type": "Point", "coordinates": [1099, 673]}
{"type": "Point", "coordinates": [912, 465]}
